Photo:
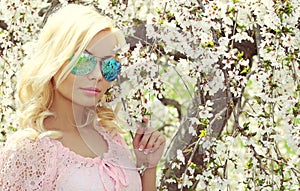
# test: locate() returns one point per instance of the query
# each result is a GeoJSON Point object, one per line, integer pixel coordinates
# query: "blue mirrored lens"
{"type": "Point", "coordinates": [110, 69]}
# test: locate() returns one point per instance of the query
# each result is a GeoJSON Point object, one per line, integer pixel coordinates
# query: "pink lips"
{"type": "Point", "coordinates": [90, 91]}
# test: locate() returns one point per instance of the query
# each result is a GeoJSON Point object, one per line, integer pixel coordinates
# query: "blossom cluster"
{"type": "Point", "coordinates": [20, 24]}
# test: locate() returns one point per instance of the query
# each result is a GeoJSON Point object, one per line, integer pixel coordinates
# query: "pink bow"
{"type": "Point", "coordinates": [118, 174]}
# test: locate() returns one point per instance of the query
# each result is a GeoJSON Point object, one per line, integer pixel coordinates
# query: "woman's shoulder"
{"type": "Point", "coordinates": [25, 149]}
{"type": "Point", "coordinates": [27, 141]}
{"type": "Point", "coordinates": [27, 156]}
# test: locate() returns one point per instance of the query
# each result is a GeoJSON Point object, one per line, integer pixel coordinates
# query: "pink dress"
{"type": "Point", "coordinates": [47, 165]}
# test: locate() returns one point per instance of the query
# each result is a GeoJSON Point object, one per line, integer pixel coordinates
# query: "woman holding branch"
{"type": "Point", "coordinates": [70, 139]}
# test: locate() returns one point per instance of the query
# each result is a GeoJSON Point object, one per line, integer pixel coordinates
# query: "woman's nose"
{"type": "Point", "coordinates": [96, 73]}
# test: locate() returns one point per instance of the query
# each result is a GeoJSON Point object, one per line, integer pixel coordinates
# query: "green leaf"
{"type": "Point", "coordinates": [246, 126]}
{"type": "Point", "coordinates": [250, 163]}
{"type": "Point", "coordinates": [252, 134]}
{"type": "Point", "coordinates": [245, 70]}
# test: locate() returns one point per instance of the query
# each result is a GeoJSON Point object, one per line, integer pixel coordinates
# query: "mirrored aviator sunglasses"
{"type": "Point", "coordinates": [110, 68]}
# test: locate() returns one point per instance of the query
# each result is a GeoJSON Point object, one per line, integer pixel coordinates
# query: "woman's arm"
{"type": "Point", "coordinates": [148, 147]}
{"type": "Point", "coordinates": [149, 179]}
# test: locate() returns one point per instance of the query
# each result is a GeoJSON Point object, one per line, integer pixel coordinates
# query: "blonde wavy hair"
{"type": "Point", "coordinates": [67, 32]}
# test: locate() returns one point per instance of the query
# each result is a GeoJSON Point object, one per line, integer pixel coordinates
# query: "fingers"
{"type": "Point", "coordinates": [141, 139]}
{"type": "Point", "coordinates": [155, 141]}
{"type": "Point", "coordinates": [138, 136]}
{"type": "Point", "coordinates": [160, 141]}
{"type": "Point", "coordinates": [141, 135]}
{"type": "Point", "coordinates": [148, 142]}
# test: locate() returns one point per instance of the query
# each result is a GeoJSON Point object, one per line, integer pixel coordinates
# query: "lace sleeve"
{"type": "Point", "coordinates": [29, 166]}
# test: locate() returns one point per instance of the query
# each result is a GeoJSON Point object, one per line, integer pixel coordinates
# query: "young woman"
{"type": "Point", "coordinates": [70, 139]}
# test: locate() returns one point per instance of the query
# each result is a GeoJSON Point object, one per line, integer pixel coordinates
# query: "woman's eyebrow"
{"type": "Point", "coordinates": [102, 58]}
{"type": "Point", "coordinates": [88, 52]}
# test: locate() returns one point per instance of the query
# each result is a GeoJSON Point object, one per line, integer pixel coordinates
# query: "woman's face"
{"type": "Point", "coordinates": [86, 90]}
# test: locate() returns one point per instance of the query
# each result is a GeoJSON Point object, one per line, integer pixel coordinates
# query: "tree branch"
{"type": "Point", "coordinates": [171, 102]}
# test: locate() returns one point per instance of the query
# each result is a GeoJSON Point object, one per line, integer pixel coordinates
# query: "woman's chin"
{"type": "Point", "coordinates": [83, 103]}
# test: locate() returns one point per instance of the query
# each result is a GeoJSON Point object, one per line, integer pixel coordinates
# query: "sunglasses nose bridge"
{"type": "Point", "coordinates": [96, 73]}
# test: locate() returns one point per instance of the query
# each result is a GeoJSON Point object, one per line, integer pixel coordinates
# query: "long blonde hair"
{"type": "Point", "coordinates": [67, 32]}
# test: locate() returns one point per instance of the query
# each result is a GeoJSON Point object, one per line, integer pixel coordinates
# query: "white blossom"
{"type": "Point", "coordinates": [180, 156]}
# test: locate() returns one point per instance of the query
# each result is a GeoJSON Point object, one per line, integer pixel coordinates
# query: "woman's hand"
{"type": "Point", "coordinates": [148, 146]}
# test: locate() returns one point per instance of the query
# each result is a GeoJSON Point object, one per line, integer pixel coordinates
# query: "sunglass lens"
{"type": "Point", "coordinates": [85, 64]}
{"type": "Point", "coordinates": [111, 69]}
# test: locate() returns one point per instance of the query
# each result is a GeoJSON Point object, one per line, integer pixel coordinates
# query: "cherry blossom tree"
{"type": "Point", "coordinates": [220, 78]}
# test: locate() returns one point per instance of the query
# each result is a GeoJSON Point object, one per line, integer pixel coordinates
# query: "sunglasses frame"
{"type": "Point", "coordinates": [100, 62]}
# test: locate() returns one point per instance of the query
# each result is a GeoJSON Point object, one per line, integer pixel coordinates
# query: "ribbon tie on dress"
{"type": "Point", "coordinates": [117, 174]}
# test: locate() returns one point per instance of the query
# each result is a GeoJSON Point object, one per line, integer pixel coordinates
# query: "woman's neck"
{"type": "Point", "coordinates": [67, 115]}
